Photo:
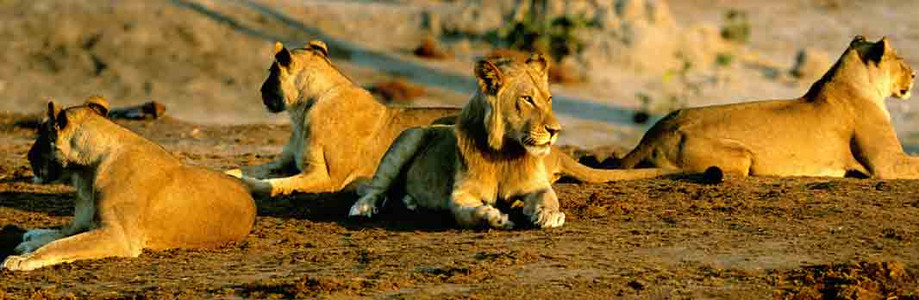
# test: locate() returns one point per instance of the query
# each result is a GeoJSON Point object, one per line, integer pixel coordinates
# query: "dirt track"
{"type": "Point", "coordinates": [746, 238]}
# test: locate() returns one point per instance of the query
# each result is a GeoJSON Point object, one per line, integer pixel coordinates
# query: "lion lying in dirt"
{"type": "Point", "coordinates": [131, 193]}
{"type": "Point", "coordinates": [499, 150]}
{"type": "Point", "coordinates": [841, 125]}
{"type": "Point", "coordinates": [339, 131]}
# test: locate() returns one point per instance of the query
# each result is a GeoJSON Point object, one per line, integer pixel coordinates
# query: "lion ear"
{"type": "Point", "coordinates": [488, 76]}
{"type": "Point", "coordinates": [876, 51]}
{"type": "Point", "coordinates": [282, 55]}
{"type": "Point", "coordinates": [98, 105]}
{"type": "Point", "coordinates": [320, 47]}
{"type": "Point", "coordinates": [538, 62]}
{"type": "Point", "coordinates": [857, 40]}
{"type": "Point", "coordinates": [53, 111]}
{"type": "Point", "coordinates": [56, 115]}
{"type": "Point", "coordinates": [884, 44]}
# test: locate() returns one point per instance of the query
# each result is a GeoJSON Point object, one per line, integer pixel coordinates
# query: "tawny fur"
{"type": "Point", "coordinates": [840, 125]}
{"type": "Point", "coordinates": [339, 131]}
{"type": "Point", "coordinates": [131, 194]}
{"type": "Point", "coordinates": [499, 150]}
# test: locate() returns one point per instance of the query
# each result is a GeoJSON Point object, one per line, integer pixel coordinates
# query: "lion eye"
{"type": "Point", "coordinates": [550, 99]}
{"type": "Point", "coordinates": [529, 100]}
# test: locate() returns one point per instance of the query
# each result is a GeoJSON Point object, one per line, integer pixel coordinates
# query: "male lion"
{"type": "Point", "coordinates": [840, 125]}
{"type": "Point", "coordinates": [499, 150]}
{"type": "Point", "coordinates": [131, 193]}
{"type": "Point", "coordinates": [339, 130]}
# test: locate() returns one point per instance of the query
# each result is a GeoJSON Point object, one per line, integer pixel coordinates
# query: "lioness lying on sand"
{"type": "Point", "coordinates": [339, 131]}
{"type": "Point", "coordinates": [131, 193]}
{"type": "Point", "coordinates": [841, 125]}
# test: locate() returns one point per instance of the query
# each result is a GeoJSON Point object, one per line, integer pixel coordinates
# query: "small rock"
{"type": "Point", "coordinates": [637, 285]}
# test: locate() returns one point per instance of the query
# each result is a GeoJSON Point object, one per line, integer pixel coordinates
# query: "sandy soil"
{"type": "Point", "coordinates": [673, 237]}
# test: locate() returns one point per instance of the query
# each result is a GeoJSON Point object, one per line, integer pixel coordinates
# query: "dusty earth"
{"type": "Point", "coordinates": [672, 237]}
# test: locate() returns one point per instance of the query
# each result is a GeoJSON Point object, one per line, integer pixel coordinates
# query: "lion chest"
{"type": "Point", "coordinates": [507, 181]}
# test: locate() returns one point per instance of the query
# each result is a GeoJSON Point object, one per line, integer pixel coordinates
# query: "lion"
{"type": "Point", "coordinates": [840, 126]}
{"type": "Point", "coordinates": [339, 131]}
{"type": "Point", "coordinates": [500, 149]}
{"type": "Point", "coordinates": [131, 193]}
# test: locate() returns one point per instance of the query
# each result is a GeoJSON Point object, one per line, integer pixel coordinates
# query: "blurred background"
{"type": "Point", "coordinates": [616, 61]}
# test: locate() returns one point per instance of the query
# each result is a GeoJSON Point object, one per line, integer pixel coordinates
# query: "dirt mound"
{"type": "Point", "coordinates": [864, 280]}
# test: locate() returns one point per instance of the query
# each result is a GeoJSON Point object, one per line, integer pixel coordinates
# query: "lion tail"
{"type": "Point", "coordinates": [571, 168]}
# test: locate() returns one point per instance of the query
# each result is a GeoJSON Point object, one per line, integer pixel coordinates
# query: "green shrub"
{"type": "Point", "coordinates": [555, 37]}
{"type": "Point", "coordinates": [736, 27]}
{"type": "Point", "coordinates": [724, 59]}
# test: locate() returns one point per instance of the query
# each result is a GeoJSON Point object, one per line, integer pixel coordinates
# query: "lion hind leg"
{"type": "Point", "coordinates": [89, 245]}
{"type": "Point", "coordinates": [397, 157]}
{"type": "Point", "coordinates": [697, 154]}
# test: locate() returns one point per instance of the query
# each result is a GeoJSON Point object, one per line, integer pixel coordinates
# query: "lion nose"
{"type": "Point", "coordinates": [553, 130]}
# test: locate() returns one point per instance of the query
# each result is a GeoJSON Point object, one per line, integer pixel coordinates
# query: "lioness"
{"type": "Point", "coordinates": [840, 125]}
{"type": "Point", "coordinates": [339, 131]}
{"type": "Point", "coordinates": [499, 150]}
{"type": "Point", "coordinates": [131, 193]}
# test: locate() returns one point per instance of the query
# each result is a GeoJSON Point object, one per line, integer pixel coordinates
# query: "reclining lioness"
{"type": "Point", "coordinates": [841, 125]}
{"type": "Point", "coordinates": [131, 193]}
{"type": "Point", "coordinates": [499, 150]}
{"type": "Point", "coordinates": [339, 131]}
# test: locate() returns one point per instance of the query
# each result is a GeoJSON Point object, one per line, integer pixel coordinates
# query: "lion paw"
{"type": "Point", "coordinates": [548, 219]}
{"type": "Point", "coordinates": [495, 218]}
{"type": "Point", "coordinates": [19, 263]}
{"type": "Point", "coordinates": [410, 202]}
{"type": "Point", "coordinates": [365, 206]}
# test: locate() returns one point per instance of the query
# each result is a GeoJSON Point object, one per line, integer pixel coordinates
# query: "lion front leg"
{"type": "Point", "coordinates": [469, 211]}
{"type": "Point", "coordinates": [84, 211]}
{"type": "Point", "coordinates": [316, 180]}
{"type": "Point", "coordinates": [266, 170]}
{"type": "Point", "coordinates": [89, 245]}
{"type": "Point", "coordinates": [543, 209]}
{"type": "Point", "coordinates": [397, 157]}
{"type": "Point", "coordinates": [36, 238]}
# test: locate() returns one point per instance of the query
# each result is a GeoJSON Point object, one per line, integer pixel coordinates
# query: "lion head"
{"type": "Point", "coordinates": [290, 71]}
{"type": "Point", "coordinates": [514, 104]}
{"type": "Point", "coordinates": [49, 155]}
{"type": "Point", "coordinates": [887, 71]}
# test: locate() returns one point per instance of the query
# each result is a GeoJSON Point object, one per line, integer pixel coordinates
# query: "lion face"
{"type": "Point", "coordinates": [520, 103]}
{"type": "Point", "coordinates": [902, 77]}
{"type": "Point", "coordinates": [48, 155]}
{"type": "Point", "coordinates": [290, 70]}
{"type": "Point", "coordinates": [43, 156]}
{"type": "Point", "coordinates": [886, 68]}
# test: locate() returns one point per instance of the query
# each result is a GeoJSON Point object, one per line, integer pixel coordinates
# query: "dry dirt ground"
{"type": "Point", "coordinates": [663, 238]}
